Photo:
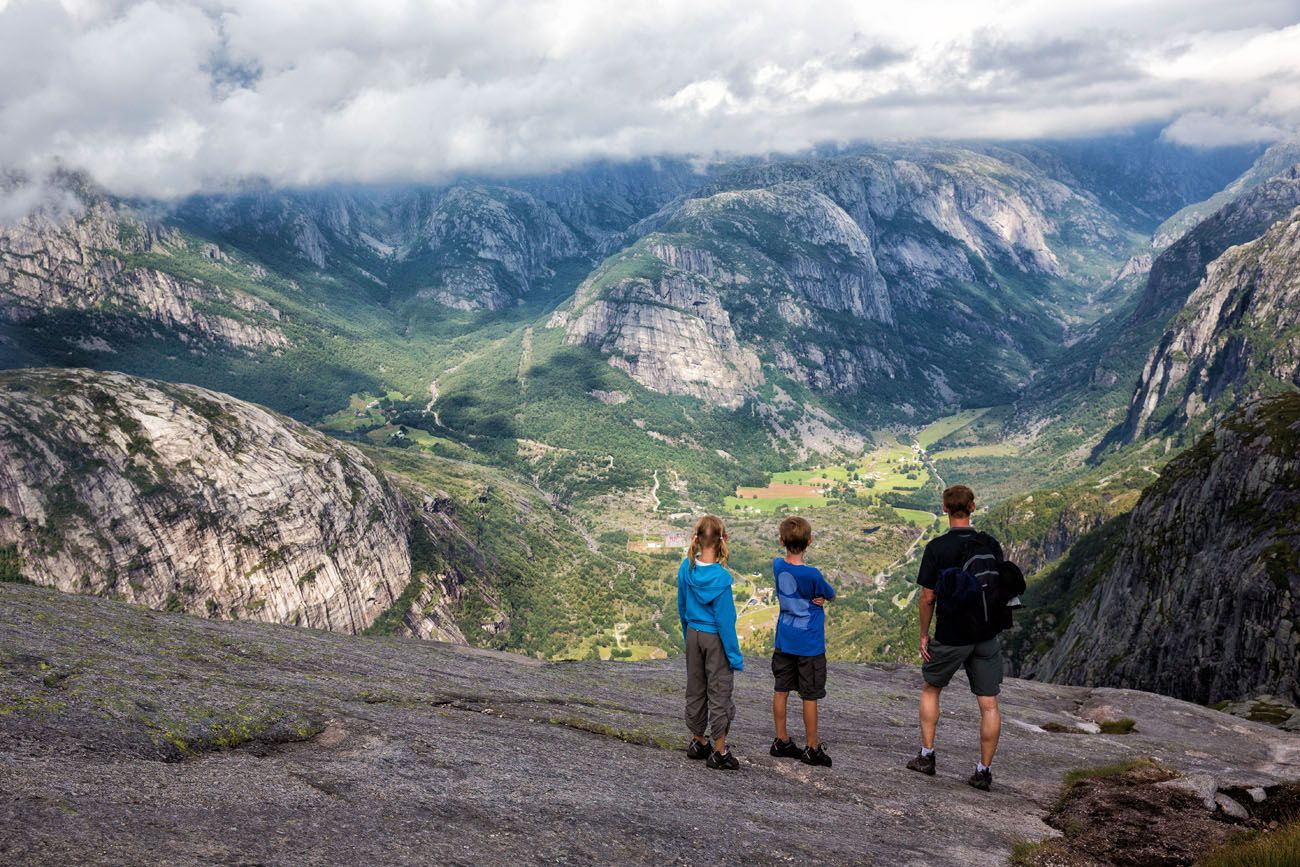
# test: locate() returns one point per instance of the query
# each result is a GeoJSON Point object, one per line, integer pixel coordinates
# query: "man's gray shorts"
{"type": "Point", "coordinates": [983, 664]}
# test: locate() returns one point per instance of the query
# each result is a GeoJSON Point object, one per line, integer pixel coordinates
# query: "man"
{"type": "Point", "coordinates": [966, 632]}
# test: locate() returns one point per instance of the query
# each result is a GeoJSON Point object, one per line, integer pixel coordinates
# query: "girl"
{"type": "Point", "coordinates": [708, 613]}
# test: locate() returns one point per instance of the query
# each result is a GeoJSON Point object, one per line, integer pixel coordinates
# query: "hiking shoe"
{"type": "Point", "coordinates": [923, 764]}
{"type": "Point", "coordinates": [981, 780]}
{"type": "Point", "coordinates": [815, 756]}
{"type": "Point", "coordinates": [698, 750]}
{"type": "Point", "coordinates": [723, 761]}
{"type": "Point", "coordinates": [785, 750]}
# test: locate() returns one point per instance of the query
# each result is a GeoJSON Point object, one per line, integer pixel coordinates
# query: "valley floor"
{"type": "Point", "coordinates": [133, 736]}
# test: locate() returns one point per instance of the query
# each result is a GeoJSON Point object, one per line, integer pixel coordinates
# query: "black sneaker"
{"type": "Point", "coordinates": [723, 761]}
{"type": "Point", "coordinates": [785, 750]}
{"type": "Point", "coordinates": [923, 764]}
{"type": "Point", "coordinates": [815, 756]}
{"type": "Point", "coordinates": [698, 750]}
{"type": "Point", "coordinates": [981, 780]}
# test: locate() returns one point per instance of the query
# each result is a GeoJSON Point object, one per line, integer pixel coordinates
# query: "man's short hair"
{"type": "Point", "coordinates": [958, 501]}
{"type": "Point", "coordinates": [796, 534]}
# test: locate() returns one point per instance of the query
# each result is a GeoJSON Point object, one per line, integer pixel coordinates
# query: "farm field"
{"type": "Point", "coordinates": [916, 517]}
{"type": "Point", "coordinates": [947, 426]}
{"type": "Point", "coordinates": [889, 468]}
{"type": "Point", "coordinates": [991, 450]}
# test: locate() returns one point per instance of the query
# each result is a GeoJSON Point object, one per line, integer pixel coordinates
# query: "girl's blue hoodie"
{"type": "Point", "coordinates": [704, 602]}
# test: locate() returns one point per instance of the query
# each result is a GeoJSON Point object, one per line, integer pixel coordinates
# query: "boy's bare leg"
{"type": "Point", "coordinates": [720, 744]}
{"type": "Point", "coordinates": [701, 739]}
{"type": "Point", "coordinates": [810, 722]}
{"type": "Point", "coordinates": [990, 727]}
{"type": "Point", "coordinates": [780, 701]}
{"type": "Point", "coordinates": [930, 714]}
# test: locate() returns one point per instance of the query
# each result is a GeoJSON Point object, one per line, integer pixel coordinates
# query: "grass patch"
{"type": "Point", "coordinates": [916, 517]}
{"type": "Point", "coordinates": [1062, 729]}
{"type": "Point", "coordinates": [1280, 848]}
{"type": "Point", "coordinates": [1118, 726]}
{"type": "Point", "coordinates": [633, 736]}
{"type": "Point", "coordinates": [1079, 775]}
{"type": "Point", "coordinates": [991, 450]}
{"type": "Point", "coordinates": [946, 427]}
{"type": "Point", "coordinates": [1027, 853]}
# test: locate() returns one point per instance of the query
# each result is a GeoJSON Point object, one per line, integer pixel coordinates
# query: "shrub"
{"type": "Point", "coordinates": [11, 565]}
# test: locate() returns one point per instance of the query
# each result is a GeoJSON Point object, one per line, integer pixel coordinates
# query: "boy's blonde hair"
{"type": "Point", "coordinates": [796, 534]}
{"type": "Point", "coordinates": [710, 532]}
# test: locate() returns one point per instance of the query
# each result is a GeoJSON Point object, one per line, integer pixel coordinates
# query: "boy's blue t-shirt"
{"type": "Point", "coordinates": [801, 627]}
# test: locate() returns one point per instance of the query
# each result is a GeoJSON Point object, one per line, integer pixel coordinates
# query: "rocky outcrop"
{"type": "Point", "coordinates": [1231, 341]}
{"type": "Point", "coordinates": [671, 334]}
{"type": "Point", "coordinates": [184, 499]}
{"type": "Point", "coordinates": [87, 263]}
{"type": "Point", "coordinates": [271, 744]}
{"type": "Point", "coordinates": [1037, 529]}
{"type": "Point", "coordinates": [1197, 593]}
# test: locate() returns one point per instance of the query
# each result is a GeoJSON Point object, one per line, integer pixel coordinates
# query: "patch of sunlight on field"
{"type": "Point", "coordinates": [992, 450]}
{"type": "Point", "coordinates": [771, 505]}
{"type": "Point", "coordinates": [947, 426]}
{"type": "Point", "coordinates": [916, 517]}
{"type": "Point", "coordinates": [755, 619]}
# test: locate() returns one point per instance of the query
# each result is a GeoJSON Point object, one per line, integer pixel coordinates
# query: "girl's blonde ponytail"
{"type": "Point", "coordinates": [710, 532]}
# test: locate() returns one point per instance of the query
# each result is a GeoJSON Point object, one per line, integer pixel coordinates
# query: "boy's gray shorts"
{"type": "Point", "coordinates": [983, 664]}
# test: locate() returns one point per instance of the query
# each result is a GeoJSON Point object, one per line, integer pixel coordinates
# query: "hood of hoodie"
{"type": "Point", "coordinates": [707, 581]}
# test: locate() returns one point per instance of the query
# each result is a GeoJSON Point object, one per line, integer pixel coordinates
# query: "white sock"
{"type": "Point", "coordinates": [926, 752]}
{"type": "Point", "coordinates": [981, 767]}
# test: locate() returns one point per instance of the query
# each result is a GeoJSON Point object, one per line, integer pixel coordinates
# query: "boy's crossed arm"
{"type": "Point", "coordinates": [823, 592]}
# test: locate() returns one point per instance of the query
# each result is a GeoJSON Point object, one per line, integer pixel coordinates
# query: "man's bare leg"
{"type": "Point", "coordinates": [930, 714]}
{"type": "Point", "coordinates": [990, 727]}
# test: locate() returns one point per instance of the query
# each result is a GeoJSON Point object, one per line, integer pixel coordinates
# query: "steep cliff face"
{"type": "Point", "coordinates": [184, 499]}
{"type": "Point", "coordinates": [483, 247]}
{"type": "Point", "coordinates": [1235, 338]}
{"type": "Point", "coordinates": [1277, 159]}
{"type": "Point", "coordinates": [1196, 593]}
{"type": "Point", "coordinates": [1177, 271]}
{"type": "Point", "coordinates": [851, 275]}
{"type": "Point", "coordinates": [89, 263]}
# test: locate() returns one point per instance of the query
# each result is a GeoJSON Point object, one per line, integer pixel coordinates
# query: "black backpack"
{"type": "Point", "coordinates": [979, 595]}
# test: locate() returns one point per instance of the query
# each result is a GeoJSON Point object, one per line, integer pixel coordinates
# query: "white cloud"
{"type": "Point", "coordinates": [165, 98]}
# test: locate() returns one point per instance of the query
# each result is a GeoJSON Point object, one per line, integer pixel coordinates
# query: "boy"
{"type": "Point", "coordinates": [799, 659]}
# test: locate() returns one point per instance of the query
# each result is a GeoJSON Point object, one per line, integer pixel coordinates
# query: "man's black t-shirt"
{"type": "Point", "coordinates": [945, 553]}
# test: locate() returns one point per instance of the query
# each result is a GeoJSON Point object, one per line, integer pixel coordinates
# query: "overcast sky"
{"type": "Point", "coordinates": [166, 98]}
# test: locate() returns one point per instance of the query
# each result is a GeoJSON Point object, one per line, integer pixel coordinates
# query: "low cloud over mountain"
{"type": "Point", "coordinates": [167, 98]}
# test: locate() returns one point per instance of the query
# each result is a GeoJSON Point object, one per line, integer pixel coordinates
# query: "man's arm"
{"type": "Point", "coordinates": [927, 577]}
{"type": "Point", "coordinates": [926, 606]}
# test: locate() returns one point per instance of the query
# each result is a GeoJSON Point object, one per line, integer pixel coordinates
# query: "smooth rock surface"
{"type": "Point", "coordinates": [359, 750]}
{"type": "Point", "coordinates": [181, 498]}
